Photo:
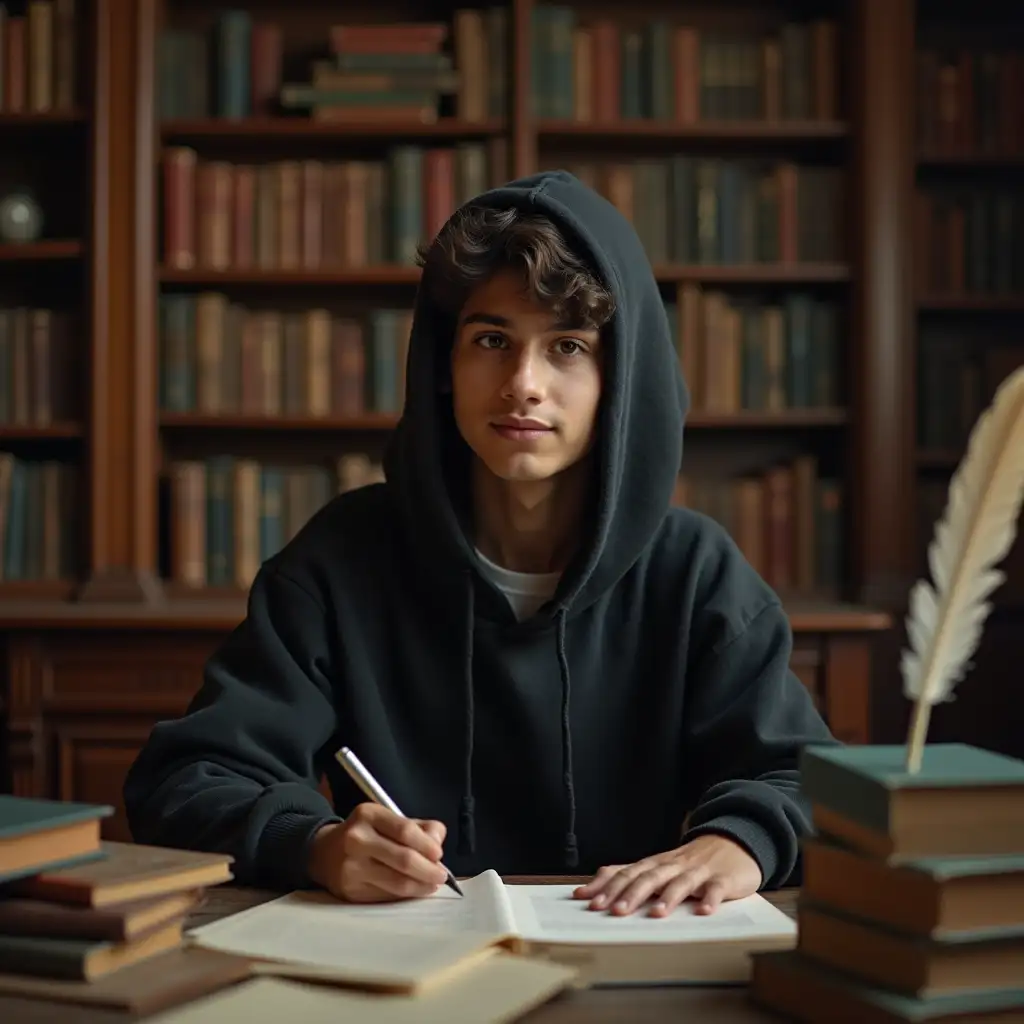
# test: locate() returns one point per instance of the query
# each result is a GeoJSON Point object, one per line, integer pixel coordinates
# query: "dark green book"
{"type": "Point", "coordinates": [929, 896]}
{"type": "Point", "coordinates": [793, 985]}
{"type": "Point", "coordinates": [964, 801]}
{"type": "Point", "coordinates": [37, 835]}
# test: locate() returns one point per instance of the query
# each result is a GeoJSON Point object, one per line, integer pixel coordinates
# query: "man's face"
{"type": "Point", "coordinates": [525, 389]}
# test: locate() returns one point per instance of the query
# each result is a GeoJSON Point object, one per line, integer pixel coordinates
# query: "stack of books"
{"type": "Point", "coordinates": [912, 904]}
{"type": "Point", "coordinates": [83, 920]}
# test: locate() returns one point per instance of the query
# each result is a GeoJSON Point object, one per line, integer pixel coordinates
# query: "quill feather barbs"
{"type": "Point", "coordinates": [977, 529]}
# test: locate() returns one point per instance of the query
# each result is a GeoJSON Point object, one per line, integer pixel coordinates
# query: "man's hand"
{"type": "Point", "coordinates": [375, 856]}
{"type": "Point", "coordinates": [709, 868]}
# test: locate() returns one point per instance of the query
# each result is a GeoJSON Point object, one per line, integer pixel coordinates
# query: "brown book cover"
{"type": "Point", "coordinates": [179, 166]}
{"type": "Point", "coordinates": [129, 871]}
{"type": "Point", "coordinates": [121, 923]}
{"type": "Point", "coordinates": [312, 214]}
{"type": "Point", "coordinates": [265, 68]}
{"type": "Point", "coordinates": [155, 984]}
{"type": "Point", "coordinates": [15, 66]}
{"type": "Point", "coordinates": [608, 58]}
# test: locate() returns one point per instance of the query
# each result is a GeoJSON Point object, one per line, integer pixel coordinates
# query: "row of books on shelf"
{"type": "Point", "coordinates": [587, 68]}
{"type": "Point", "coordinates": [95, 923]}
{"type": "Point", "coordinates": [407, 70]}
{"type": "Point", "coordinates": [39, 357]}
{"type": "Point", "coordinates": [758, 356]}
{"type": "Point", "coordinates": [314, 214]}
{"type": "Point", "coordinates": [229, 515]}
{"type": "Point", "coordinates": [292, 215]}
{"type": "Point", "coordinates": [39, 528]}
{"type": "Point", "coordinates": [221, 357]}
{"type": "Point", "coordinates": [956, 378]}
{"type": "Point", "coordinates": [787, 521]}
{"type": "Point", "coordinates": [38, 57]}
{"type": "Point", "coordinates": [969, 241]}
{"type": "Point", "coordinates": [969, 102]}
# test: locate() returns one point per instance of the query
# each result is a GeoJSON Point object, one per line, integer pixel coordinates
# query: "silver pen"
{"type": "Point", "coordinates": [372, 788]}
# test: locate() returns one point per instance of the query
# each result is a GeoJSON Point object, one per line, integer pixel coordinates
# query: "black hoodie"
{"type": "Point", "coordinates": [653, 689]}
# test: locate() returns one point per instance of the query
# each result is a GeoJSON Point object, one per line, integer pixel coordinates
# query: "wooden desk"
{"type": "Point", "coordinates": [652, 1005]}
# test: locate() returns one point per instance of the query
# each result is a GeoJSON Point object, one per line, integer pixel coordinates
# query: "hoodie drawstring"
{"type": "Point", "coordinates": [467, 808]}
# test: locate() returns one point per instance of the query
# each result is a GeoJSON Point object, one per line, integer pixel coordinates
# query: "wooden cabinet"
{"type": "Point", "coordinates": [80, 698]}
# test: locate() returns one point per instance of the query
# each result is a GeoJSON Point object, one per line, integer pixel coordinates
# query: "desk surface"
{"type": "Point", "coordinates": [582, 1006]}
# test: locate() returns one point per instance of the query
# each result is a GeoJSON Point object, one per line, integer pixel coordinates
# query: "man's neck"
{"type": "Point", "coordinates": [529, 526]}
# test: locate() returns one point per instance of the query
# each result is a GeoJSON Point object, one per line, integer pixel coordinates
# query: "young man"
{"type": "Point", "coordinates": [546, 666]}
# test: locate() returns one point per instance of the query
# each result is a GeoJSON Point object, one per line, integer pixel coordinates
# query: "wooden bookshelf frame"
{"type": "Point", "coordinates": [124, 423]}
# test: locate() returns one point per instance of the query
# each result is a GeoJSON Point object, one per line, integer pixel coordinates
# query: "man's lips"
{"type": "Point", "coordinates": [522, 429]}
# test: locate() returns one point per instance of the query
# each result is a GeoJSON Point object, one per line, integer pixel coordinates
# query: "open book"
{"type": "Point", "coordinates": [407, 944]}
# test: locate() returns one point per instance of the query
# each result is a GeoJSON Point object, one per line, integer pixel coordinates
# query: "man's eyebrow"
{"type": "Point", "coordinates": [488, 319]}
{"type": "Point", "coordinates": [493, 320]}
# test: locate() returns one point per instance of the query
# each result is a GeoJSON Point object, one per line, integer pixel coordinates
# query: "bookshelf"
{"type": "Point", "coordinates": [968, 284]}
{"type": "Point", "coordinates": [823, 151]}
{"type": "Point", "coordinates": [45, 257]}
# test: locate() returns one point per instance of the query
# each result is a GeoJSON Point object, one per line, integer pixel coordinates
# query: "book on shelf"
{"type": "Point", "coordinates": [38, 57]}
{"type": "Point", "coordinates": [590, 68]}
{"type": "Point", "coordinates": [218, 356]}
{"type": "Point", "coordinates": [787, 521]}
{"type": "Point", "coordinates": [967, 241]}
{"type": "Point", "coordinates": [969, 101]}
{"type": "Point", "coordinates": [230, 514]}
{"type": "Point", "coordinates": [366, 73]}
{"type": "Point", "coordinates": [290, 215]}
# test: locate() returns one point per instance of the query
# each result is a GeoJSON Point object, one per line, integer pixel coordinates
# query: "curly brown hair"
{"type": "Point", "coordinates": [479, 242]}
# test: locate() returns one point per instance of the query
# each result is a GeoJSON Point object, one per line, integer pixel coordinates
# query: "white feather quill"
{"type": "Point", "coordinates": [975, 533]}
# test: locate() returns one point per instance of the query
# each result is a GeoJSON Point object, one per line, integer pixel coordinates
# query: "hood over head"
{"type": "Point", "coordinates": [643, 404]}
{"type": "Point", "coordinates": [638, 448]}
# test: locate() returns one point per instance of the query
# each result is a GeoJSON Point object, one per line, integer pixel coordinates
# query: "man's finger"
{"type": "Point", "coordinates": [680, 888]}
{"type": "Point", "coordinates": [435, 829]}
{"type": "Point", "coordinates": [711, 897]}
{"type": "Point", "coordinates": [616, 883]}
{"type": "Point", "coordinates": [398, 884]}
{"type": "Point", "coordinates": [407, 832]}
{"type": "Point", "coordinates": [641, 888]}
{"type": "Point", "coordinates": [597, 883]}
{"type": "Point", "coordinates": [404, 860]}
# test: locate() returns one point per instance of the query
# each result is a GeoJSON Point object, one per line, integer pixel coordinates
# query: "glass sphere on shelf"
{"type": "Point", "coordinates": [21, 219]}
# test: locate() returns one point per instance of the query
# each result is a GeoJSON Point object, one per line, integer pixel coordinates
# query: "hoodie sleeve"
{"type": "Point", "coordinates": [749, 718]}
{"type": "Point", "coordinates": [238, 773]}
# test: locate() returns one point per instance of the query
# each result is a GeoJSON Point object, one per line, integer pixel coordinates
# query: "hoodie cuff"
{"type": "Point", "coordinates": [284, 848]}
{"type": "Point", "coordinates": [754, 838]}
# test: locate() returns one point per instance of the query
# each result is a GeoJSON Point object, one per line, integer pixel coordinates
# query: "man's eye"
{"type": "Point", "coordinates": [490, 340]}
{"type": "Point", "coordinates": [569, 346]}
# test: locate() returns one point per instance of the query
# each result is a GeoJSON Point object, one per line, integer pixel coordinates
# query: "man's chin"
{"type": "Point", "coordinates": [523, 469]}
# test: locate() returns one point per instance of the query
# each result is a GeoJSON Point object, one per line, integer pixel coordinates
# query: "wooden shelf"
{"type": "Point", "coordinates": [269, 128]}
{"type": "Point", "coordinates": [55, 249]}
{"type": "Point", "coordinates": [754, 273]}
{"type": "Point", "coordinates": [710, 131]}
{"type": "Point", "coordinates": [39, 432]}
{"type": "Point", "coordinates": [382, 275]}
{"type": "Point", "coordinates": [751, 273]}
{"type": "Point", "coordinates": [938, 458]}
{"type": "Point", "coordinates": [749, 420]}
{"type": "Point", "coordinates": [49, 119]}
{"type": "Point", "coordinates": [232, 421]}
{"type": "Point", "coordinates": [953, 303]}
{"type": "Point", "coordinates": [53, 591]}
{"type": "Point", "coordinates": [217, 610]}
{"type": "Point", "coordinates": [966, 161]}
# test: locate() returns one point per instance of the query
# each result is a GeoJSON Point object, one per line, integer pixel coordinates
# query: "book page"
{"type": "Point", "coordinates": [548, 913]}
{"type": "Point", "coordinates": [397, 943]}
